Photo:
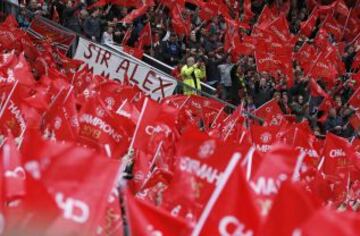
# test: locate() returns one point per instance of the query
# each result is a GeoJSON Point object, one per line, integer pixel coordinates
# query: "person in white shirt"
{"type": "Point", "coordinates": [108, 37]}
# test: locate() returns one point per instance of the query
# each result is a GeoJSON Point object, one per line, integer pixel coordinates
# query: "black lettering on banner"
{"type": "Point", "coordinates": [147, 80]}
{"type": "Point", "coordinates": [90, 46]}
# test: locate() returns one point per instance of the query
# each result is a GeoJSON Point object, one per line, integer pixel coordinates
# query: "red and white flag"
{"type": "Point", "coordinates": [146, 219]}
{"type": "Point", "coordinates": [200, 159]}
{"type": "Point", "coordinates": [354, 100]}
{"type": "Point", "coordinates": [231, 209]}
{"type": "Point", "coordinates": [145, 37]}
{"type": "Point", "coordinates": [271, 113]}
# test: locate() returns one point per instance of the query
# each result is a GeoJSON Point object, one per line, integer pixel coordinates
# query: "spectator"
{"type": "Point", "coordinates": [212, 62]}
{"type": "Point", "coordinates": [92, 26]}
{"type": "Point", "coordinates": [107, 37]}
{"type": "Point", "coordinates": [22, 18]}
{"type": "Point", "coordinates": [70, 17]}
{"type": "Point", "coordinates": [263, 91]}
{"type": "Point", "coordinates": [334, 123]}
{"type": "Point", "coordinates": [190, 79]}
{"type": "Point", "coordinates": [171, 50]}
{"type": "Point", "coordinates": [225, 77]}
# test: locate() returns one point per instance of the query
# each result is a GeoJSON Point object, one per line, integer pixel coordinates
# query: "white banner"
{"type": "Point", "coordinates": [114, 66]}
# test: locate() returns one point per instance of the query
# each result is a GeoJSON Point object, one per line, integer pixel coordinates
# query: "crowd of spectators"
{"type": "Point", "coordinates": [201, 56]}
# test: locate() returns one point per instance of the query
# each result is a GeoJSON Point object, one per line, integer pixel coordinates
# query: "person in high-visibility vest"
{"type": "Point", "coordinates": [192, 73]}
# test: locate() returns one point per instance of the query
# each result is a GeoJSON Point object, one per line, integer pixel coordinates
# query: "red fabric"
{"type": "Point", "coordinates": [179, 25]}
{"type": "Point", "coordinates": [199, 155]}
{"type": "Point", "coordinates": [337, 152]}
{"type": "Point", "coordinates": [145, 37]}
{"type": "Point", "coordinates": [135, 52]}
{"type": "Point", "coordinates": [332, 26]}
{"type": "Point", "coordinates": [128, 19]}
{"type": "Point", "coordinates": [271, 113]}
{"type": "Point", "coordinates": [208, 11]}
{"type": "Point", "coordinates": [155, 119]}
{"type": "Point", "coordinates": [355, 120]}
{"type": "Point", "coordinates": [227, 216]}
{"type": "Point", "coordinates": [276, 166]}
{"type": "Point", "coordinates": [307, 27]}
{"type": "Point", "coordinates": [93, 178]}
{"type": "Point", "coordinates": [14, 175]}
{"type": "Point", "coordinates": [99, 126]}
{"type": "Point", "coordinates": [355, 99]}
{"type": "Point", "coordinates": [62, 117]}
{"type": "Point", "coordinates": [331, 223]}
{"type": "Point", "coordinates": [303, 205]}
{"type": "Point", "coordinates": [173, 3]}
{"type": "Point", "coordinates": [146, 219]}
{"type": "Point", "coordinates": [263, 137]}
{"type": "Point", "coordinates": [316, 90]}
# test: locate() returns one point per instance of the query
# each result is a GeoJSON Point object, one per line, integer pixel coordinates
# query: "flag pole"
{"type": "Point", "coordinates": [152, 164]}
{"type": "Point", "coordinates": [138, 123]}
{"type": "Point", "coordinates": [8, 98]}
{"type": "Point", "coordinates": [299, 162]}
{"type": "Point", "coordinates": [215, 195]}
{"type": "Point", "coordinates": [231, 128]}
{"type": "Point", "coordinates": [346, 23]}
{"type": "Point", "coordinates": [217, 117]}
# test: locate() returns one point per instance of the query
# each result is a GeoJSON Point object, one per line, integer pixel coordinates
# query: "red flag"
{"type": "Point", "coordinates": [331, 223]}
{"type": "Point", "coordinates": [127, 3]}
{"type": "Point", "coordinates": [342, 8]}
{"type": "Point", "coordinates": [128, 19]}
{"type": "Point", "coordinates": [180, 26]}
{"type": "Point", "coordinates": [231, 209]}
{"type": "Point", "coordinates": [37, 206]}
{"type": "Point", "coordinates": [305, 56]}
{"type": "Point", "coordinates": [200, 159]}
{"type": "Point", "coordinates": [292, 196]}
{"type": "Point", "coordinates": [332, 26]}
{"type": "Point", "coordinates": [208, 11]}
{"type": "Point", "coordinates": [93, 177]}
{"type": "Point", "coordinates": [276, 166]}
{"type": "Point", "coordinates": [10, 22]}
{"type": "Point", "coordinates": [308, 26]}
{"type": "Point", "coordinates": [112, 223]}
{"type": "Point", "coordinates": [265, 18]}
{"type": "Point", "coordinates": [99, 3]}
{"type": "Point", "coordinates": [263, 137]}
{"type": "Point", "coordinates": [135, 52]}
{"type": "Point", "coordinates": [280, 28]}
{"type": "Point", "coordinates": [62, 117]}
{"type": "Point", "coordinates": [248, 14]}
{"type": "Point", "coordinates": [355, 120]}
{"type": "Point", "coordinates": [305, 142]}
{"type": "Point", "coordinates": [11, 114]}
{"type": "Point", "coordinates": [100, 127]}
{"type": "Point", "coordinates": [145, 37]}
{"type": "Point", "coordinates": [323, 68]}
{"type": "Point", "coordinates": [22, 72]}
{"type": "Point", "coordinates": [354, 101]}
{"type": "Point", "coordinates": [271, 113]}
{"type": "Point", "coordinates": [146, 219]}
{"type": "Point", "coordinates": [153, 119]}
{"type": "Point", "coordinates": [13, 172]}
{"type": "Point", "coordinates": [173, 3]}
{"type": "Point", "coordinates": [316, 90]}
{"type": "Point", "coordinates": [337, 153]}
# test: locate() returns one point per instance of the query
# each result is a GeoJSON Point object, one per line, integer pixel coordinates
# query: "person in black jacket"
{"type": "Point", "coordinates": [171, 50]}
{"type": "Point", "coordinates": [70, 19]}
{"type": "Point", "coordinates": [92, 26]}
